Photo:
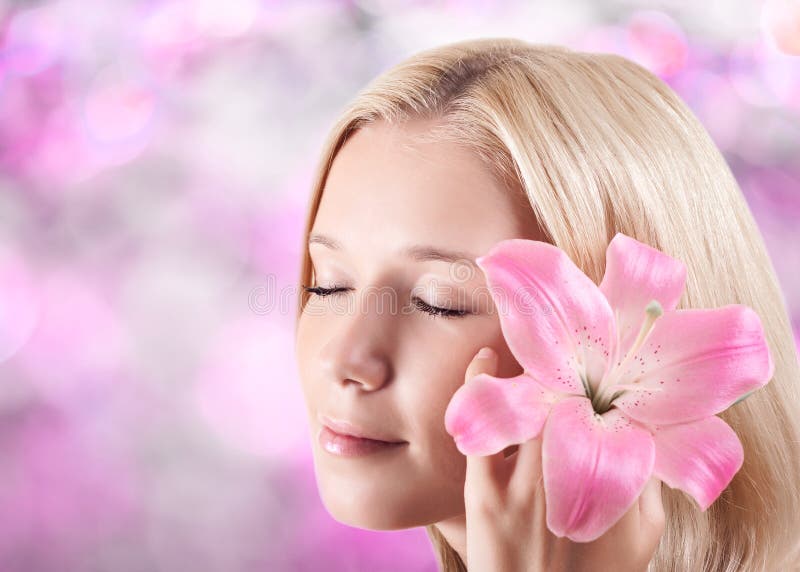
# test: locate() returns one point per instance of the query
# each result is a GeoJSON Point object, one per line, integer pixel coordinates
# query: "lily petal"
{"type": "Point", "coordinates": [555, 320]}
{"type": "Point", "coordinates": [698, 361]}
{"type": "Point", "coordinates": [594, 467]}
{"type": "Point", "coordinates": [487, 414]}
{"type": "Point", "coordinates": [700, 457]}
{"type": "Point", "coordinates": [635, 274]}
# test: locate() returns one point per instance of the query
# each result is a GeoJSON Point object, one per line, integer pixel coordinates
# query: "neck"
{"type": "Point", "coordinates": [455, 532]}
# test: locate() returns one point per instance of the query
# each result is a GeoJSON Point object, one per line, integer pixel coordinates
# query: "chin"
{"type": "Point", "coordinates": [381, 504]}
{"type": "Point", "coordinates": [366, 518]}
{"type": "Point", "coordinates": [364, 503]}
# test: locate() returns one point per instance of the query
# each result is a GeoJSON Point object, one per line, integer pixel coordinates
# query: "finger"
{"type": "Point", "coordinates": [485, 361]}
{"type": "Point", "coordinates": [528, 466]}
{"type": "Point", "coordinates": [651, 507]}
{"type": "Point", "coordinates": [643, 513]}
{"type": "Point", "coordinates": [484, 471]}
{"type": "Point", "coordinates": [630, 522]}
{"type": "Point", "coordinates": [526, 484]}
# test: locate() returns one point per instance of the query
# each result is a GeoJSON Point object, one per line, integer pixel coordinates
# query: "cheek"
{"type": "Point", "coordinates": [309, 336]}
{"type": "Point", "coordinates": [442, 464]}
{"type": "Point", "coordinates": [431, 377]}
{"type": "Point", "coordinates": [453, 352]}
{"type": "Point", "coordinates": [442, 372]}
{"type": "Point", "coordinates": [445, 460]}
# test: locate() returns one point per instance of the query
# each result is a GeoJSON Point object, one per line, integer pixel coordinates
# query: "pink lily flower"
{"type": "Point", "coordinates": [622, 384]}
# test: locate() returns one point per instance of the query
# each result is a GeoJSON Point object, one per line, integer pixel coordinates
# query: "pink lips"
{"type": "Point", "coordinates": [347, 444]}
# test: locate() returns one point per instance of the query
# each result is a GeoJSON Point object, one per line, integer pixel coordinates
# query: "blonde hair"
{"type": "Point", "coordinates": [600, 145]}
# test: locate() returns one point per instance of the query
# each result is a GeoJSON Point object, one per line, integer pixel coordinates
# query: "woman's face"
{"type": "Point", "coordinates": [369, 354]}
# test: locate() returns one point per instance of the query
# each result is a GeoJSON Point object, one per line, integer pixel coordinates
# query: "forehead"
{"type": "Point", "coordinates": [387, 188]}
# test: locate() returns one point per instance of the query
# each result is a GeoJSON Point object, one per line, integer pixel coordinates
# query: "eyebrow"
{"type": "Point", "coordinates": [421, 252]}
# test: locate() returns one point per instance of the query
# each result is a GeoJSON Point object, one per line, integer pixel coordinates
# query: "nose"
{"type": "Point", "coordinates": [363, 368]}
{"type": "Point", "coordinates": [358, 353]}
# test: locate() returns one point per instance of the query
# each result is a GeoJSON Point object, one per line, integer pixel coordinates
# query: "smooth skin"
{"type": "Point", "coordinates": [505, 503]}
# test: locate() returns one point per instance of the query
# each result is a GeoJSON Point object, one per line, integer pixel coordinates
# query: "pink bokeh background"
{"type": "Point", "coordinates": [155, 160]}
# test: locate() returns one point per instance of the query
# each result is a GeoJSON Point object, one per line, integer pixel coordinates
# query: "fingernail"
{"type": "Point", "coordinates": [485, 353]}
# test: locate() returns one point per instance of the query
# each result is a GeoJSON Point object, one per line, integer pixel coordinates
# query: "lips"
{"type": "Point", "coordinates": [349, 446]}
{"type": "Point", "coordinates": [346, 428]}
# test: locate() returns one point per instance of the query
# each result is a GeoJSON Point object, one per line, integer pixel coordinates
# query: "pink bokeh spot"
{"type": "Point", "coordinates": [33, 41]}
{"type": "Point", "coordinates": [247, 391]}
{"type": "Point", "coordinates": [118, 107]}
{"type": "Point", "coordinates": [19, 302]}
{"type": "Point", "coordinates": [78, 325]}
{"type": "Point", "coordinates": [781, 21]}
{"type": "Point", "coordinates": [657, 42]}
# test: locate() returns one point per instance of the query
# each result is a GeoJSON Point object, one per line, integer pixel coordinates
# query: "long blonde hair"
{"type": "Point", "coordinates": [600, 145]}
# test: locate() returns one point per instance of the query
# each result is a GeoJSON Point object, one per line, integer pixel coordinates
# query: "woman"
{"type": "Point", "coordinates": [440, 157]}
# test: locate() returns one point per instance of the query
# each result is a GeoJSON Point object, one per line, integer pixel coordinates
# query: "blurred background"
{"type": "Point", "coordinates": [155, 160]}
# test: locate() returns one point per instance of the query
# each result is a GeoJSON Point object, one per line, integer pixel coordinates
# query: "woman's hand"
{"type": "Point", "coordinates": [505, 515]}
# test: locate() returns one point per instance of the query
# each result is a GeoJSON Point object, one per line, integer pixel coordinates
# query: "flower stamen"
{"type": "Point", "coordinates": [602, 401]}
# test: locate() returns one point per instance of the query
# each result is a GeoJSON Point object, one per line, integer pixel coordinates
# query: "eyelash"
{"type": "Point", "coordinates": [433, 311]}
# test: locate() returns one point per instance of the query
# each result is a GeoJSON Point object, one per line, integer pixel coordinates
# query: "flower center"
{"type": "Point", "coordinates": [610, 388]}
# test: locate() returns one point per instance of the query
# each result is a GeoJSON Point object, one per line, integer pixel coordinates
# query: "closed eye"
{"type": "Point", "coordinates": [419, 303]}
{"type": "Point", "coordinates": [322, 292]}
{"type": "Point", "coordinates": [437, 311]}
